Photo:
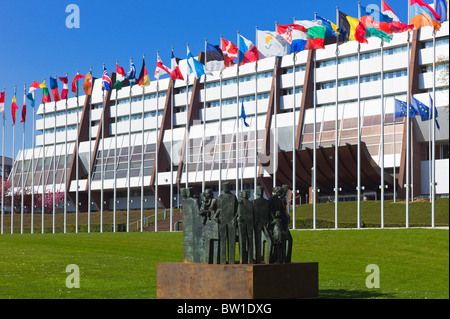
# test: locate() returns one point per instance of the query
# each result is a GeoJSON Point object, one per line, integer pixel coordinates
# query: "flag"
{"type": "Point", "coordinates": [243, 116]}
{"type": "Point", "coordinates": [106, 80]}
{"type": "Point", "coordinates": [120, 76]}
{"type": "Point", "coordinates": [131, 75]}
{"type": "Point", "coordinates": [45, 93]}
{"type": "Point", "coordinates": [422, 15]}
{"type": "Point", "coordinates": [422, 109]}
{"type": "Point", "coordinates": [352, 29]}
{"type": "Point", "coordinates": [247, 51]}
{"type": "Point", "coordinates": [175, 73]}
{"type": "Point", "coordinates": [214, 58]}
{"type": "Point", "coordinates": [441, 9]}
{"type": "Point", "coordinates": [2, 102]}
{"type": "Point", "coordinates": [229, 51]}
{"type": "Point", "coordinates": [295, 34]}
{"type": "Point", "coordinates": [87, 86]}
{"type": "Point", "coordinates": [24, 107]}
{"type": "Point", "coordinates": [195, 66]}
{"type": "Point", "coordinates": [65, 90]}
{"type": "Point", "coordinates": [316, 33]}
{"type": "Point", "coordinates": [33, 87]}
{"type": "Point", "coordinates": [143, 79]}
{"type": "Point", "coordinates": [332, 29]}
{"type": "Point", "coordinates": [400, 109]}
{"type": "Point", "coordinates": [396, 25]}
{"type": "Point", "coordinates": [75, 83]}
{"type": "Point", "coordinates": [14, 108]}
{"type": "Point", "coordinates": [377, 24]}
{"type": "Point", "coordinates": [160, 68]}
{"type": "Point", "coordinates": [271, 44]}
{"type": "Point", "coordinates": [54, 89]}
{"type": "Point", "coordinates": [435, 113]}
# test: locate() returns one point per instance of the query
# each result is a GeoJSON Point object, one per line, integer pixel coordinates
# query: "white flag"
{"type": "Point", "coordinates": [271, 44]}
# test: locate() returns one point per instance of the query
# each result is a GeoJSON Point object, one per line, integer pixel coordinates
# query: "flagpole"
{"type": "Point", "coordinates": [237, 121]}
{"type": "Point", "coordinates": [395, 160]}
{"type": "Point", "coordinates": [204, 126]}
{"type": "Point", "coordinates": [256, 124]}
{"type": "Point", "coordinates": [171, 150]}
{"type": "Point", "coordinates": [187, 124]}
{"type": "Point", "coordinates": [382, 134]}
{"type": "Point", "coordinates": [13, 171]}
{"type": "Point", "coordinates": [275, 133]}
{"type": "Point", "coordinates": [65, 164]}
{"type": "Point", "coordinates": [3, 167]}
{"type": "Point", "coordinates": [336, 128]}
{"type": "Point", "coordinates": [433, 134]}
{"type": "Point", "coordinates": [54, 170]}
{"type": "Point", "coordinates": [358, 189]}
{"type": "Point", "coordinates": [23, 156]}
{"type": "Point", "coordinates": [89, 203]}
{"type": "Point", "coordinates": [43, 167]}
{"type": "Point", "coordinates": [220, 127]}
{"type": "Point", "coordinates": [129, 160]}
{"type": "Point", "coordinates": [407, 132]}
{"type": "Point", "coordinates": [157, 153]}
{"type": "Point", "coordinates": [76, 162]}
{"type": "Point", "coordinates": [103, 161]}
{"type": "Point", "coordinates": [33, 167]}
{"type": "Point", "coordinates": [142, 156]}
{"type": "Point", "coordinates": [115, 163]}
{"type": "Point", "coordinates": [294, 148]}
{"type": "Point", "coordinates": [314, 186]}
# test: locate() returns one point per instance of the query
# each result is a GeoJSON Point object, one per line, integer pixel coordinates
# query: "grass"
{"type": "Point", "coordinates": [394, 214]}
{"type": "Point", "coordinates": [414, 263]}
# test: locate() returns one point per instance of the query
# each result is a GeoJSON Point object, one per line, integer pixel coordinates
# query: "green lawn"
{"type": "Point", "coordinates": [413, 263]}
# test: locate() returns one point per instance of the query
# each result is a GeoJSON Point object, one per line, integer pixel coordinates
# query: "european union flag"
{"type": "Point", "coordinates": [424, 111]}
{"type": "Point", "coordinates": [401, 108]}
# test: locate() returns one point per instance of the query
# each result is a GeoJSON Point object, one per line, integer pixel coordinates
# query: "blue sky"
{"type": "Point", "coordinates": [35, 42]}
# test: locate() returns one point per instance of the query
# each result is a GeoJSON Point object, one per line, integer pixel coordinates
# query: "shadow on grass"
{"type": "Point", "coordinates": [352, 294]}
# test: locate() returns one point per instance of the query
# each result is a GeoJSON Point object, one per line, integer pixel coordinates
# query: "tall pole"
{"type": "Point", "coordinates": [358, 190]}
{"type": "Point", "coordinates": [89, 203]}
{"type": "Point", "coordinates": [13, 171]}
{"type": "Point", "coordinates": [314, 186]}
{"type": "Point", "coordinates": [204, 126]}
{"type": "Point", "coordinates": [77, 203]}
{"type": "Point", "coordinates": [65, 166]}
{"type": "Point", "coordinates": [43, 167]}
{"type": "Point", "coordinates": [129, 160]}
{"type": "Point", "coordinates": [54, 171]}
{"type": "Point", "coordinates": [255, 181]}
{"type": "Point", "coordinates": [220, 127]}
{"type": "Point", "coordinates": [294, 148]}
{"type": "Point", "coordinates": [237, 120]}
{"type": "Point", "coordinates": [407, 133]}
{"type": "Point", "coordinates": [336, 130]}
{"type": "Point", "coordinates": [102, 198]}
{"type": "Point", "coordinates": [157, 153]}
{"type": "Point", "coordinates": [186, 151]}
{"type": "Point", "coordinates": [382, 134]}
{"type": "Point", "coordinates": [142, 157]}
{"type": "Point", "coordinates": [3, 168]}
{"type": "Point", "coordinates": [23, 159]}
{"type": "Point", "coordinates": [172, 102]}
{"type": "Point", "coordinates": [433, 133]}
{"type": "Point", "coordinates": [115, 164]}
{"type": "Point", "coordinates": [33, 168]}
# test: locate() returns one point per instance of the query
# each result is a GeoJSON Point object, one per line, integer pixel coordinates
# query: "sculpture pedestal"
{"type": "Point", "coordinates": [238, 281]}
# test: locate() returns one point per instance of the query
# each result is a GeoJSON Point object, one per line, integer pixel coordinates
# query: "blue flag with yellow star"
{"type": "Point", "coordinates": [401, 108]}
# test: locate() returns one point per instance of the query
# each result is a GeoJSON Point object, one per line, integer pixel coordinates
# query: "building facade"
{"type": "Point", "coordinates": [174, 134]}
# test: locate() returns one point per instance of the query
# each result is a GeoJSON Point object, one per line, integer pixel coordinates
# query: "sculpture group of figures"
{"type": "Point", "coordinates": [213, 226]}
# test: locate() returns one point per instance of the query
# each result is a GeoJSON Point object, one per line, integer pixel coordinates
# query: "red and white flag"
{"type": "Point", "coordinates": [2, 102]}
{"type": "Point", "coordinates": [230, 52]}
{"type": "Point", "coordinates": [160, 69]}
{"type": "Point", "coordinates": [65, 89]}
{"type": "Point", "coordinates": [175, 72]}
